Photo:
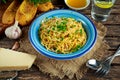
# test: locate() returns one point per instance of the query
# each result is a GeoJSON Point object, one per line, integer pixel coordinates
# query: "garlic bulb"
{"type": "Point", "coordinates": [13, 32]}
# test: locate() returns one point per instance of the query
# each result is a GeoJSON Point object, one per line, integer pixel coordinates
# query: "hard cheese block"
{"type": "Point", "coordinates": [14, 60]}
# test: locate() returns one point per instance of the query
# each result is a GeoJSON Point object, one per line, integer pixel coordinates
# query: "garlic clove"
{"type": "Point", "coordinates": [13, 32]}
{"type": "Point", "coordinates": [16, 46]}
{"type": "Point", "coordinates": [16, 33]}
{"type": "Point", "coordinates": [8, 32]}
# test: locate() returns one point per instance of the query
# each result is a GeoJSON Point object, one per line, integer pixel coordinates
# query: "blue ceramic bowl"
{"type": "Point", "coordinates": [87, 24]}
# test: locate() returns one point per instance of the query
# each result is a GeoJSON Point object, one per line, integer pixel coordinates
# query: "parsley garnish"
{"type": "Point", "coordinates": [58, 51]}
{"type": "Point", "coordinates": [79, 31]}
{"type": "Point", "coordinates": [76, 48]}
{"type": "Point", "coordinates": [62, 26]}
{"type": "Point", "coordinates": [53, 28]}
{"type": "Point", "coordinates": [62, 39]}
{"type": "Point", "coordinates": [48, 31]}
{"type": "Point", "coordinates": [39, 1]}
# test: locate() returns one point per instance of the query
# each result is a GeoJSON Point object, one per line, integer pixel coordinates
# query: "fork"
{"type": "Point", "coordinates": [106, 64]}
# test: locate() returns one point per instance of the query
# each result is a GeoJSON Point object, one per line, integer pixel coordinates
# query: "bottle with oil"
{"type": "Point", "coordinates": [101, 9]}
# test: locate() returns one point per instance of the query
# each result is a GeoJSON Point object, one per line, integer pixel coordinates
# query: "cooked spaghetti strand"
{"type": "Point", "coordinates": [62, 35]}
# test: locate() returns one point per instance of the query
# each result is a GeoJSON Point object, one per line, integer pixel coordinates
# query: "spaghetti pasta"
{"type": "Point", "coordinates": [62, 35]}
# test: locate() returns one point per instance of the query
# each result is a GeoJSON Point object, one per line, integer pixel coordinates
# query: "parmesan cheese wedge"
{"type": "Point", "coordinates": [14, 60]}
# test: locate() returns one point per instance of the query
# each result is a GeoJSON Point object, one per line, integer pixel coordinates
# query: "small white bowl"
{"type": "Point", "coordinates": [74, 8]}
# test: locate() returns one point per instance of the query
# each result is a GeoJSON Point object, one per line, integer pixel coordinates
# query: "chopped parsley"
{"type": "Point", "coordinates": [61, 38]}
{"type": "Point", "coordinates": [76, 48]}
{"type": "Point", "coordinates": [72, 26]}
{"type": "Point", "coordinates": [40, 24]}
{"type": "Point", "coordinates": [58, 51]}
{"type": "Point", "coordinates": [62, 26]}
{"type": "Point", "coordinates": [79, 21]}
{"type": "Point", "coordinates": [56, 22]}
{"type": "Point", "coordinates": [48, 31]}
{"type": "Point", "coordinates": [53, 28]}
{"type": "Point", "coordinates": [79, 31]}
{"type": "Point", "coordinates": [53, 16]}
{"type": "Point", "coordinates": [64, 18]}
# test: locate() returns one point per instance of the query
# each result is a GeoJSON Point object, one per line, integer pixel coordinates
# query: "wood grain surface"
{"type": "Point", "coordinates": [112, 38]}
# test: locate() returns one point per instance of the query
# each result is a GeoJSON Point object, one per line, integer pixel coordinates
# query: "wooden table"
{"type": "Point", "coordinates": [112, 38]}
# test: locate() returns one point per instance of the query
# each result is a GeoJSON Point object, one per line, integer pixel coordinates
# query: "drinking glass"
{"type": "Point", "coordinates": [101, 9]}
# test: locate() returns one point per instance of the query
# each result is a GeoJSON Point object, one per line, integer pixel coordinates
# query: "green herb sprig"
{"type": "Point", "coordinates": [39, 1]}
{"type": "Point", "coordinates": [62, 26]}
{"type": "Point", "coordinates": [76, 48]}
{"type": "Point", "coordinates": [4, 1]}
{"type": "Point", "coordinates": [79, 31]}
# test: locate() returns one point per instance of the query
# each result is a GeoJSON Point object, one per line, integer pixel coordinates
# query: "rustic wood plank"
{"type": "Point", "coordinates": [116, 61]}
{"type": "Point", "coordinates": [114, 72]}
{"type": "Point", "coordinates": [6, 75]}
{"type": "Point", "coordinates": [5, 42]}
{"type": "Point", "coordinates": [113, 31]}
{"type": "Point", "coordinates": [117, 2]}
{"type": "Point", "coordinates": [113, 19]}
{"type": "Point", "coordinates": [113, 41]}
{"type": "Point", "coordinates": [31, 76]}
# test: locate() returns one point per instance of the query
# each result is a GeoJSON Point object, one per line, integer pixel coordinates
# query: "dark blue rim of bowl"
{"type": "Point", "coordinates": [70, 57]}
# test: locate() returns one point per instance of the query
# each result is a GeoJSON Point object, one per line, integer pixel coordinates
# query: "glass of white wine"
{"type": "Point", "coordinates": [101, 9]}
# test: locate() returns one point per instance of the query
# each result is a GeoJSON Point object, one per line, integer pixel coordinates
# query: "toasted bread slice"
{"type": "Point", "coordinates": [25, 13]}
{"type": "Point", "coordinates": [8, 17]}
{"type": "Point", "coordinates": [45, 6]}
